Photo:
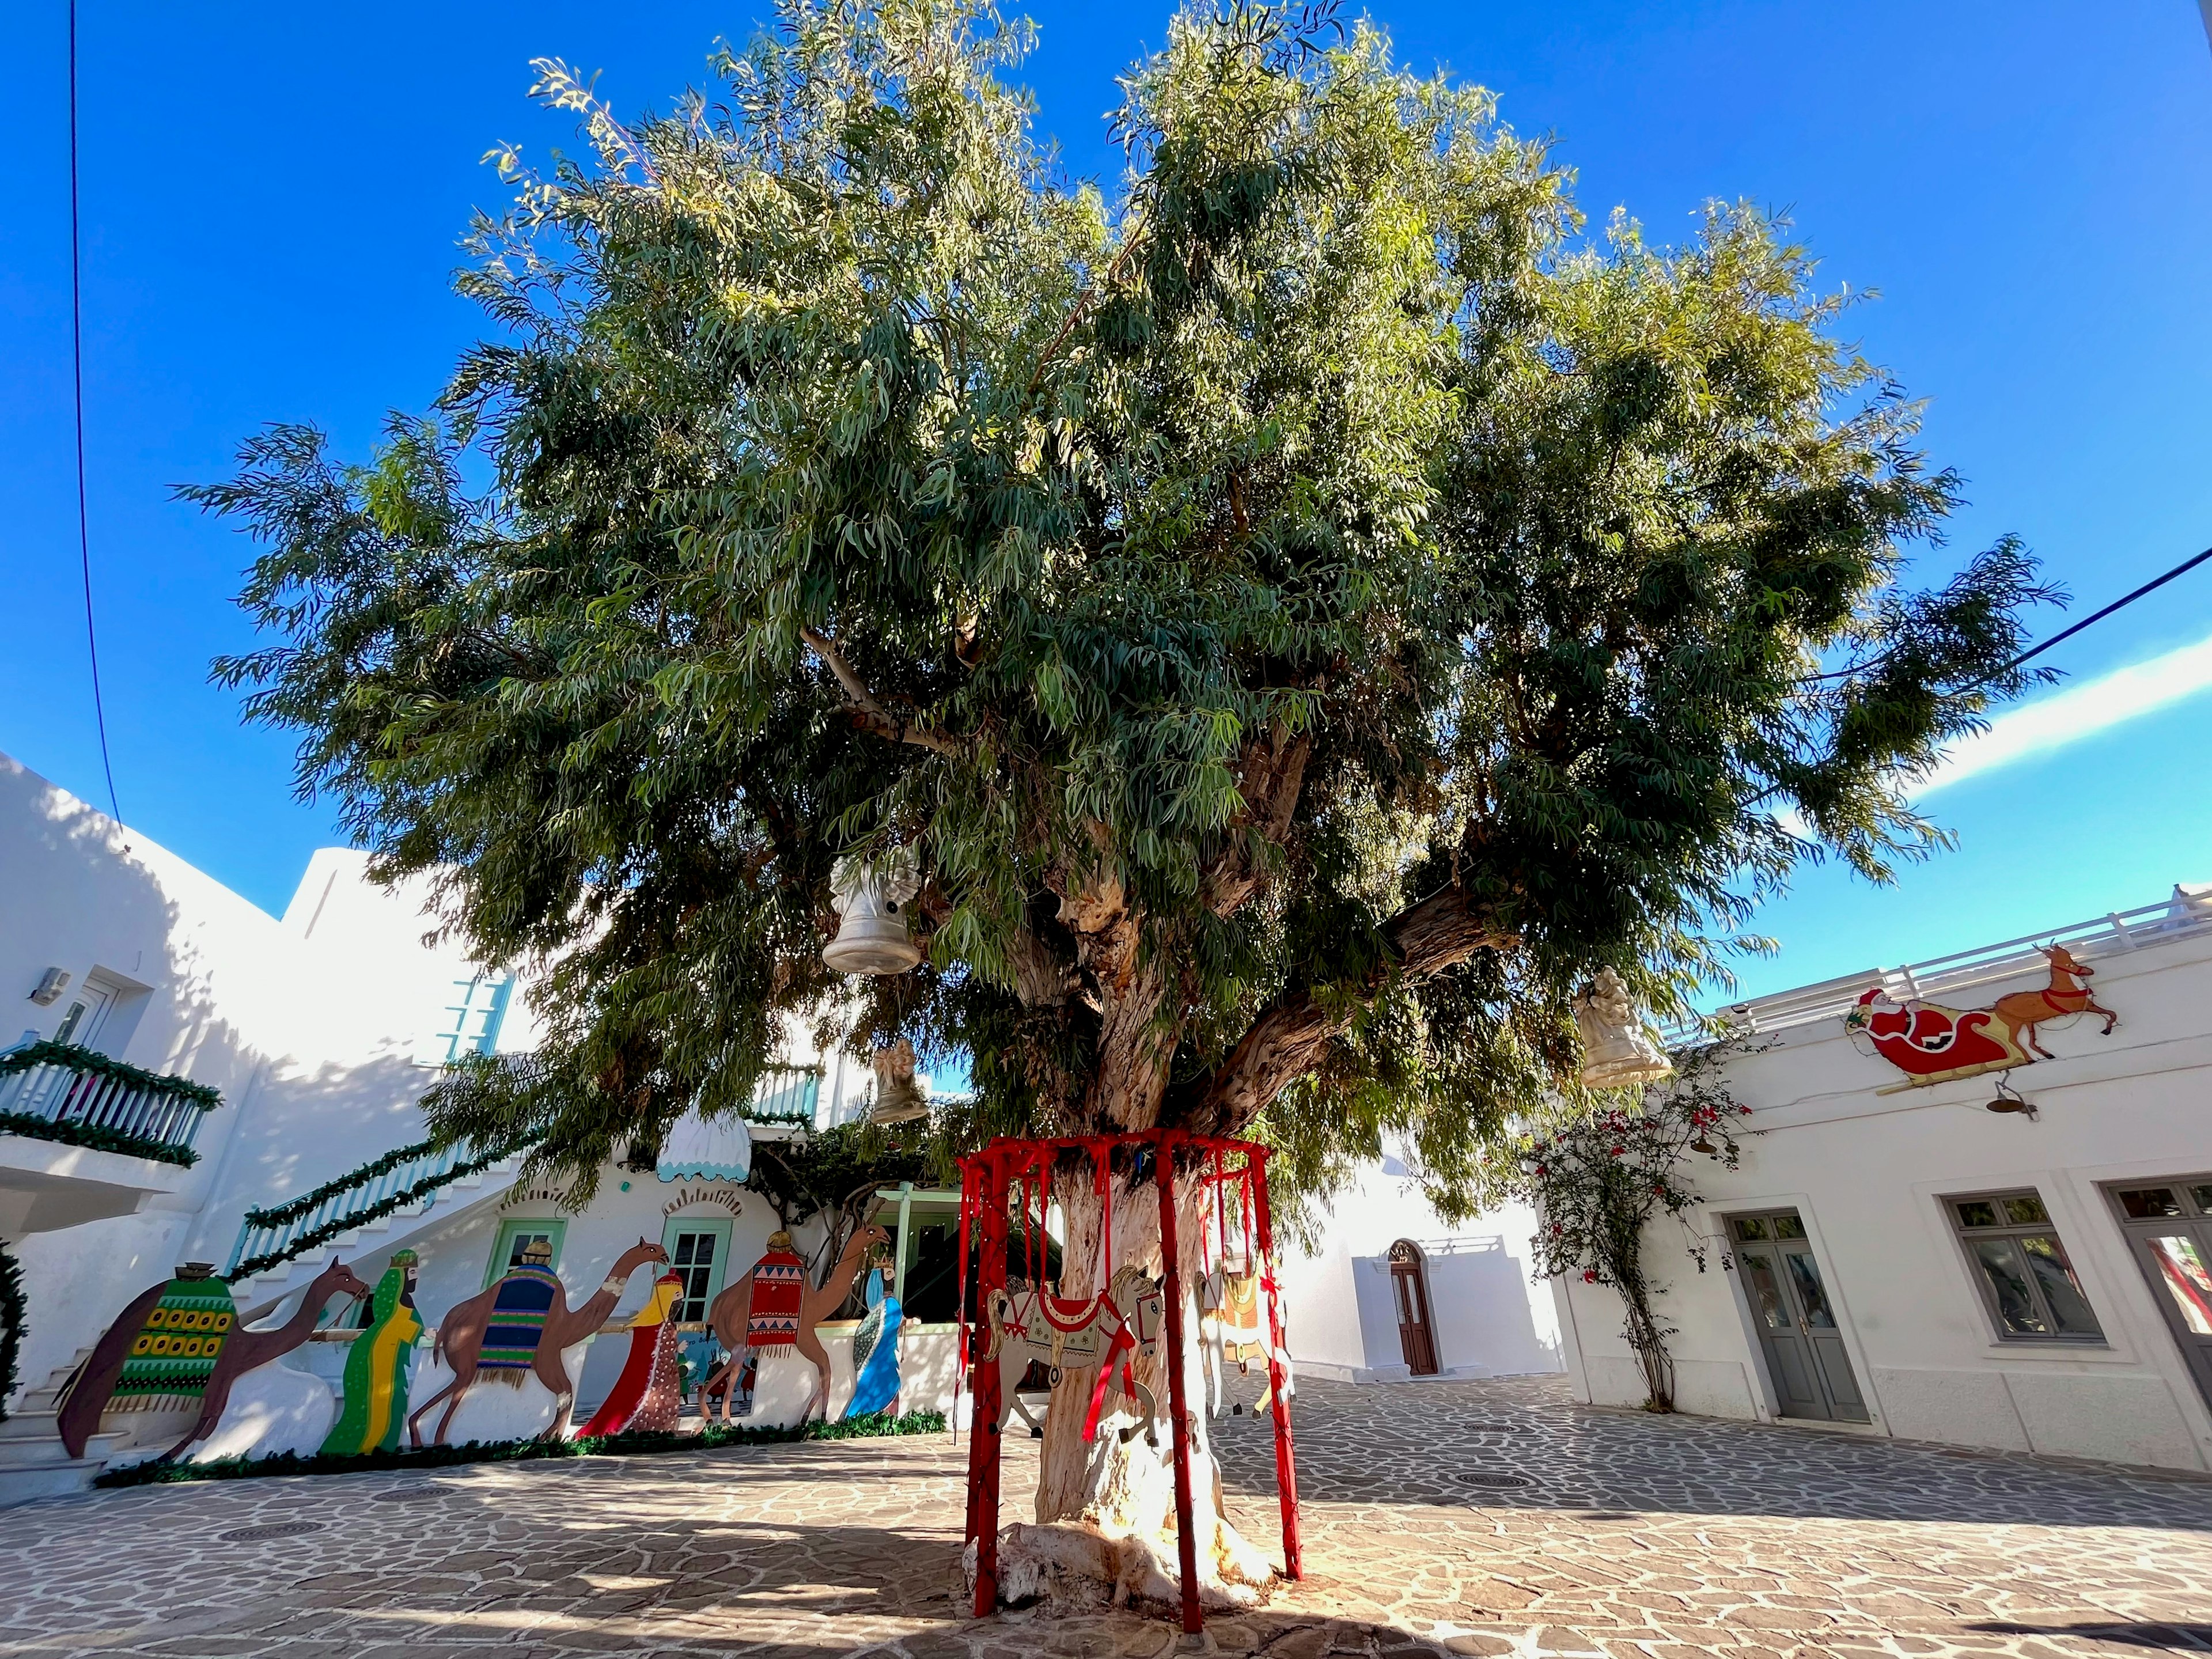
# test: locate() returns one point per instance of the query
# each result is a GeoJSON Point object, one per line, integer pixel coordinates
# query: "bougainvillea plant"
{"type": "Point", "coordinates": [1598, 1181]}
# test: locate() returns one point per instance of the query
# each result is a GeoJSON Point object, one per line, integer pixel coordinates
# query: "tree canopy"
{"type": "Point", "coordinates": [1306, 610]}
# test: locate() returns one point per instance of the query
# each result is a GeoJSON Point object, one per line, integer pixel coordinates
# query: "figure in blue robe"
{"type": "Point", "coordinates": [875, 1349]}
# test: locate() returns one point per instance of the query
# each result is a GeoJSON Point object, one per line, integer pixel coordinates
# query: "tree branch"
{"type": "Point", "coordinates": [1290, 1039]}
{"type": "Point", "coordinates": [868, 710]}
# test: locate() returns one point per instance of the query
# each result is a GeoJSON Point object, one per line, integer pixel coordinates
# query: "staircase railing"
{"type": "Point", "coordinates": [59, 1092]}
{"type": "Point", "coordinates": [404, 1175]}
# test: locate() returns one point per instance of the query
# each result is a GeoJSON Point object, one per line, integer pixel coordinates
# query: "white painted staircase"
{"type": "Point", "coordinates": [259, 1291]}
{"type": "Point", "coordinates": [33, 1462]}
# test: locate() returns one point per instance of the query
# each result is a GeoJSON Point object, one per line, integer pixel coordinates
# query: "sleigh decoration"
{"type": "Point", "coordinates": [1932, 1044]}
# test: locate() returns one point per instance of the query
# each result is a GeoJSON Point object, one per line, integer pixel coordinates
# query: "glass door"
{"type": "Point", "coordinates": [1797, 1329]}
{"type": "Point", "coordinates": [2169, 1229]}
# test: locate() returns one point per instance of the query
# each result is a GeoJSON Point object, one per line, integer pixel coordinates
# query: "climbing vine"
{"type": "Point", "coordinates": [1599, 1181]}
{"type": "Point", "coordinates": [11, 1326]}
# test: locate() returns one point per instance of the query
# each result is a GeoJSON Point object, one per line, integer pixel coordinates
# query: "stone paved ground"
{"type": "Point", "coordinates": [1632, 1538]}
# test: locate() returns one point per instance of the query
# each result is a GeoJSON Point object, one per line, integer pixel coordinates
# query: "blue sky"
{"type": "Point", "coordinates": [271, 197]}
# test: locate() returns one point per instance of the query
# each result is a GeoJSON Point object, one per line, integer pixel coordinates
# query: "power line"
{"type": "Point", "coordinates": [2124, 601]}
{"type": "Point", "coordinates": [76, 366]}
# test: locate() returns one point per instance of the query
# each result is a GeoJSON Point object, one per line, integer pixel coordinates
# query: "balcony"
{"type": "Point", "coordinates": [83, 1136]}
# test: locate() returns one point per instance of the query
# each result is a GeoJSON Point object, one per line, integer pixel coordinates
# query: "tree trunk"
{"type": "Point", "coordinates": [1105, 1509]}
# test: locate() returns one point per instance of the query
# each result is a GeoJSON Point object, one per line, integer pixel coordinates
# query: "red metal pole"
{"type": "Point", "coordinates": [983, 1443]}
{"type": "Point", "coordinates": [1286, 1468]}
{"type": "Point", "coordinates": [1186, 1533]}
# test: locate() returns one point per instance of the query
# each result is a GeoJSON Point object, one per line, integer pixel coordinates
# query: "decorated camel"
{"type": "Point", "coordinates": [771, 1310]}
{"type": "Point", "coordinates": [178, 1346]}
{"type": "Point", "coordinates": [521, 1326]}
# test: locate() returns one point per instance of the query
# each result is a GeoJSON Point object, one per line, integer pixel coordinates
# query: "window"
{"type": "Point", "coordinates": [517, 1236]}
{"type": "Point", "coordinates": [698, 1251]}
{"type": "Point", "coordinates": [471, 1020]}
{"type": "Point", "coordinates": [2028, 1283]}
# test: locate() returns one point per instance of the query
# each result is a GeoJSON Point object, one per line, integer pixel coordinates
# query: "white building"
{"type": "Point", "coordinates": [320, 1031]}
{"type": "Point", "coordinates": [1908, 1260]}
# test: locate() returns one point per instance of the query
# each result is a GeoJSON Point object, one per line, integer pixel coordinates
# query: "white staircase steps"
{"type": "Point", "coordinates": [260, 1292]}
{"type": "Point", "coordinates": [33, 1462]}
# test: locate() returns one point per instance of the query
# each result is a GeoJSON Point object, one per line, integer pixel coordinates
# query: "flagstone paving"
{"type": "Point", "coordinates": [1474, 1518]}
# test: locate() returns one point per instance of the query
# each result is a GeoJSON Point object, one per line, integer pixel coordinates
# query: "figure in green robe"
{"type": "Point", "coordinates": [376, 1368]}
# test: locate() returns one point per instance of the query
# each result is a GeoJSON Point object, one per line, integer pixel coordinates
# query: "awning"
{"type": "Point", "coordinates": [697, 1151]}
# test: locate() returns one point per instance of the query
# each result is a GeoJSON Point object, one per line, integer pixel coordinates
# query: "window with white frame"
{"type": "Point", "coordinates": [2028, 1285]}
{"type": "Point", "coordinates": [470, 1020]}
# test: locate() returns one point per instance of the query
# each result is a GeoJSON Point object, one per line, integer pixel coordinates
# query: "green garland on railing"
{"type": "Point", "coordinates": [713, 1436]}
{"type": "Point", "coordinates": [91, 1059]}
{"type": "Point", "coordinates": [12, 1314]}
{"type": "Point", "coordinates": [352, 1218]}
{"type": "Point", "coordinates": [101, 1139]}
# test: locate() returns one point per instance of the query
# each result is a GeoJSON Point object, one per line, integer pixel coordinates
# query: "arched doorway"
{"type": "Point", "coordinates": [1409, 1286]}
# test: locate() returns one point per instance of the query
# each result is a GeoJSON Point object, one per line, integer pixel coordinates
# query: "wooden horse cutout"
{"type": "Point", "coordinates": [222, 1352]}
{"type": "Point", "coordinates": [731, 1318]}
{"type": "Point", "coordinates": [2023, 1010]}
{"type": "Point", "coordinates": [1108, 1333]}
{"type": "Point", "coordinates": [1232, 1327]}
{"type": "Point", "coordinates": [528, 1311]}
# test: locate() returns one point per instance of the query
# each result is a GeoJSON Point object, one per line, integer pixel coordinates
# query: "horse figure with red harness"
{"type": "Point", "coordinates": [1108, 1333]}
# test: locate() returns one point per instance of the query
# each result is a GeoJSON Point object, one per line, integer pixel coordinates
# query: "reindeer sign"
{"type": "Point", "coordinates": [1932, 1044]}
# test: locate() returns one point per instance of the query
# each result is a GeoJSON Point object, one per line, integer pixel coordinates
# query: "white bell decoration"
{"type": "Point", "coordinates": [1615, 1050]}
{"type": "Point", "coordinates": [899, 1098]}
{"type": "Point", "coordinates": [870, 901]}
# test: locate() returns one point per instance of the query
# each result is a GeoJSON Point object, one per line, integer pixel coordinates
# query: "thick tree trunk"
{"type": "Point", "coordinates": [1105, 1522]}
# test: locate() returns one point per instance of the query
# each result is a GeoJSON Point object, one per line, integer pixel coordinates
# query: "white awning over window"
{"type": "Point", "coordinates": [696, 1151]}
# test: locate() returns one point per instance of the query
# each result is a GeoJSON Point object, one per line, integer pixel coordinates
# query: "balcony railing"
{"type": "Point", "coordinates": [784, 1094]}
{"type": "Point", "coordinates": [59, 1091]}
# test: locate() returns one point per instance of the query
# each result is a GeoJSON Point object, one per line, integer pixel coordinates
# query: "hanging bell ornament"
{"type": "Point", "coordinates": [899, 1098]}
{"type": "Point", "coordinates": [1616, 1053]}
{"type": "Point", "coordinates": [870, 901]}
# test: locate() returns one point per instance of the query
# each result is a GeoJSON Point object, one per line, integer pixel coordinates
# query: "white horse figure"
{"type": "Point", "coordinates": [1107, 1332]}
{"type": "Point", "coordinates": [1232, 1325]}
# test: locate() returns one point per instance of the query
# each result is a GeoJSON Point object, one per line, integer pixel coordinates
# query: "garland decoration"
{"type": "Point", "coordinates": [12, 1314]}
{"type": "Point", "coordinates": [292, 1209]}
{"type": "Point", "coordinates": [97, 1137]}
{"type": "Point", "coordinates": [68, 1054]}
{"type": "Point", "coordinates": [712, 1437]}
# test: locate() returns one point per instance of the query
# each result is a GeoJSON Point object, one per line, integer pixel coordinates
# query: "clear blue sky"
{"type": "Point", "coordinates": [271, 197]}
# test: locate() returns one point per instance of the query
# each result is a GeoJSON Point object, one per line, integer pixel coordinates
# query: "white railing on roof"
{"type": "Point", "coordinates": [2188, 911]}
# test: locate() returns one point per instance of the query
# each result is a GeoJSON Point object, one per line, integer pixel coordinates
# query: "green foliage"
{"type": "Point", "coordinates": [835, 1174]}
{"type": "Point", "coordinates": [93, 1062]}
{"type": "Point", "coordinates": [98, 1137]}
{"type": "Point", "coordinates": [712, 1437]}
{"type": "Point", "coordinates": [1598, 1181]}
{"type": "Point", "coordinates": [14, 1309]}
{"type": "Point", "coordinates": [1308, 612]}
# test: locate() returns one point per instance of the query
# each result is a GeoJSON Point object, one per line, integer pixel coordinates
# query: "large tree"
{"type": "Point", "coordinates": [1306, 613]}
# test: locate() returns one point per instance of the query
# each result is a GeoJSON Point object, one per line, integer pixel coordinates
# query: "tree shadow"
{"type": "Point", "coordinates": [2165, 1638]}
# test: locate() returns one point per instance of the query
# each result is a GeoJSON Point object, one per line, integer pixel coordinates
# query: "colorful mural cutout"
{"type": "Point", "coordinates": [378, 1365]}
{"type": "Point", "coordinates": [1932, 1044]}
{"type": "Point", "coordinates": [649, 1393]}
{"type": "Point", "coordinates": [876, 1348]}
{"type": "Point", "coordinates": [770, 1310]}
{"type": "Point", "coordinates": [179, 1346]}
{"type": "Point", "coordinates": [519, 1327]}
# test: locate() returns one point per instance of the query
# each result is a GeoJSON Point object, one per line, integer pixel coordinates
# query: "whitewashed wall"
{"type": "Point", "coordinates": [1491, 1319]}
{"type": "Point", "coordinates": [1867, 1171]}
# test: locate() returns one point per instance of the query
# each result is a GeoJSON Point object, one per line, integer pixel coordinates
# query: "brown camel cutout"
{"type": "Point", "coordinates": [461, 1335]}
{"type": "Point", "coordinates": [731, 1309]}
{"type": "Point", "coordinates": [241, 1351]}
